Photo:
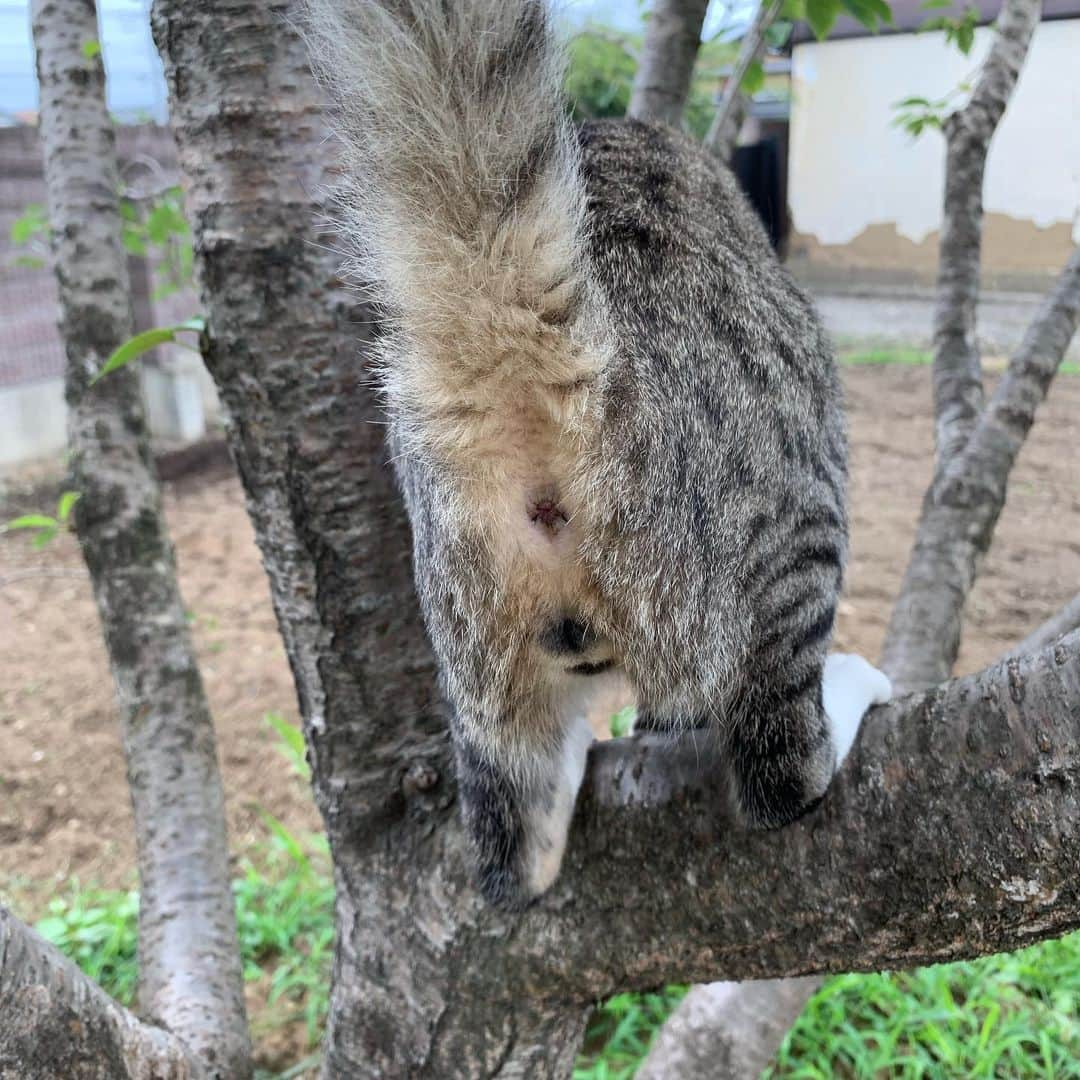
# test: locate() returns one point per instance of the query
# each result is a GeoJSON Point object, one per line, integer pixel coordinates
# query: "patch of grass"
{"type": "Point", "coordinates": [917, 358]}
{"type": "Point", "coordinates": [1010, 1015]}
{"type": "Point", "coordinates": [97, 928]}
{"type": "Point", "coordinates": [620, 1031]}
{"type": "Point", "coordinates": [1014, 1015]}
{"type": "Point", "coordinates": [285, 924]}
{"type": "Point", "coordinates": [908, 357]}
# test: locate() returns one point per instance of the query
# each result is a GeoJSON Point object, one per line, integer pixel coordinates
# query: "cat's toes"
{"type": "Point", "coordinates": [849, 686]}
{"type": "Point", "coordinates": [856, 674]}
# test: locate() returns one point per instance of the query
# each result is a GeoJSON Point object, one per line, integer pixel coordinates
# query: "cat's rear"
{"type": "Point", "coordinates": [616, 422]}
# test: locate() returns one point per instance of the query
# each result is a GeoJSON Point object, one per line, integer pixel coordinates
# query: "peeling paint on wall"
{"type": "Point", "coordinates": [866, 198]}
{"type": "Point", "coordinates": [1016, 254]}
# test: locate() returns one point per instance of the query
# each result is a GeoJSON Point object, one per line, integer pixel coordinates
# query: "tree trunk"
{"type": "Point", "coordinates": [663, 77]}
{"type": "Point", "coordinates": [427, 980]}
{"type": "Point", "coordinates": [189, 976]}
{"type": "Point", "coordinates": [723, 133]}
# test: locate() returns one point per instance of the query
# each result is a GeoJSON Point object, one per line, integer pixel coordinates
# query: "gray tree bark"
{"type": "Point", "coordinates": [428, 982]}
{"type": "Point", "coordinates": [966, 497]}
{"type": "Point", "coordinates": [726, 1031]}
{"type": "Point", "coordinates": [59, 1023]}
{"type": "Point", "coordinates": [958, 389]}
{"type": "Point", "coordinates": [663, 77]}
{"type": "Point", "coordinates": [908, 860]}
{"type": "Point", "coordinates": [731, 111]}
{"type": "Point", "coordinates": [1057, 626]}
{"type": "Point", "coordinates": [190, 979]}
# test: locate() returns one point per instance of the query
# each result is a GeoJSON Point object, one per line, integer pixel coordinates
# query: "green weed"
{"type": "Point", "coordinates": [915, 358]}
{"type": "Point", "coordinates": [285, 925]}
{"type": "Point", "coordinates": [1014, 1015]}
{"type": "Point", "coordinates": [907, 357]}
{"type": "Point", "coordinates": [620, 1031]}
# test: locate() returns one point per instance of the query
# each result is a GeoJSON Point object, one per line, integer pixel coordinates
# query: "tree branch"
{"type": "Point", "coordinates": [730, 112]}
{"type": "Point", "coordinates": [189, 972]}
{"type": "Point", "coordinates": [962, 506]}
{"type": "Point", "coordinates": [725, 1030]}
{"type": "Point", "coordinates": [910, 859]}
{"type": "Point", "coordinates": [59, 1022]}
{"type": "Point", "coordinates": [958, 390]}
{"type": "Point", "coordinates": [1057, 626]}
{"type": "Point", "coordinates": [666, 69]}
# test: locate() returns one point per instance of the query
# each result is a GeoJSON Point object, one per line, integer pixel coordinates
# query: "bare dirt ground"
{"type": "Point", "coordinates": [63, 802]}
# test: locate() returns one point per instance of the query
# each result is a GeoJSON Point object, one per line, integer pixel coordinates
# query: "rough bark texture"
{"type": "Point", "coordinates": [731, 111]}
{"type": "Point", "coordinates": [958, 389]}
{"type": "Point", "coordinates": [663, 77]}
{"type": "Point", "coordinates": [190, 978]}
{"type": "Point", "coordinates": [726, 1030]}
{"type": "Point", "coordinates": [59, 1023]}
{"type": "Point", "coordinates": [1057, 626]}
{"type": "Point", "coordinates": [962, 506]}
{"type": "Point", "coordinates": [907, 860]}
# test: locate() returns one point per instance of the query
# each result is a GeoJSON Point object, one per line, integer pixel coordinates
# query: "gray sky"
{"type": "Point", "coordinates": [135, 85]}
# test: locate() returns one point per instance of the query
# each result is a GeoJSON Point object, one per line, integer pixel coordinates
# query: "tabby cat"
{"type": "Point", "coordinates": [616, 421]}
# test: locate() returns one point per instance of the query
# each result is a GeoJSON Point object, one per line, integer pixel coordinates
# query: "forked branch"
{"type": "Point", "coordinates": [958, 388]}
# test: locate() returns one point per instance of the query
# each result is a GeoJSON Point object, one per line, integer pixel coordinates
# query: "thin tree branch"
{"type": "Point", "coordinates": [910, 859]}
{"type": "Point", "coordinates": [666, 69]}
{"type": "Point", "coordinates": [59, 1022]}
{"type": "Point", "coordinates": [962, 506]}
{"type": "Point", "coordinates": [190, 978]}
{"type": "Point", "coordinates": [958, 389]}
{"type": "Point", "coordinates": [1057, 626]}
{"type": "Point", "coordinates": [724, 130]}
{"type": "Point", "coordinates": [725, 1030]}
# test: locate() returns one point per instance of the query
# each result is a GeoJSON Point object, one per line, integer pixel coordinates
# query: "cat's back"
{"type": "Point", "coordinates": [723, 438]}
{"type": "Point", "coordinates": [687, 267]}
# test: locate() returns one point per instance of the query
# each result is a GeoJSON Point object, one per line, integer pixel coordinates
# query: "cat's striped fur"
{"type": "Point", "coordinates": [616, 421]}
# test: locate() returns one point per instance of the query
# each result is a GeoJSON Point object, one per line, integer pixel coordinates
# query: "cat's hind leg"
{"type": "Point", "coordinates": [518, 795]}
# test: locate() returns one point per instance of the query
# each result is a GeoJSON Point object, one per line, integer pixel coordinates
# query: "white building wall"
{"type": "Point", "coordinates": [851, 168]}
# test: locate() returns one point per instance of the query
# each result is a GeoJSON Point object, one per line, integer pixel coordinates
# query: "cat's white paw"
{"type": "Point", "coordinates": [849, 686]}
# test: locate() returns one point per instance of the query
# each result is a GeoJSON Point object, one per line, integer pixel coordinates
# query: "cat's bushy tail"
{"type": "Point", "coordinates": [464, 197]}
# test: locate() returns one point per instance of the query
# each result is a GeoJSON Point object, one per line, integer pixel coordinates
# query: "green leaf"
{"type": "Point", "coordinates": [622, 723]}
{"type": "Point", "coordinates": [44, 537]}
{"type": "Point", "coordinates": [66, 503]}
{"type": "Point", "coordinates": [754, 79]}
{"type": "Point", "coordinates": [30, 521]}
{"type": "Point", "coordinates": [30, 223]}
{"type": "Point", "coordinates": [91, 49]}
{"type": "Point", "coordinates": [776, 36]}
{"type": "Point", "coordinates": [289, 842]}
{"type": "Point", "coordinates": [293, 746]}
{"type": "Point", "coordinates": [821, 15]}
{"type": "Point", "coordinates": [133, 241]}
{"type": "Point", "coordinates": [147, 340]}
